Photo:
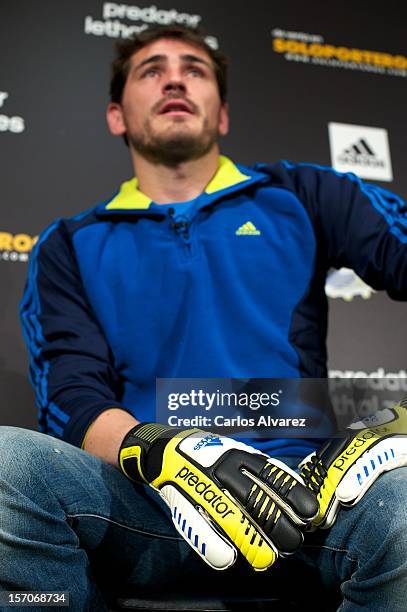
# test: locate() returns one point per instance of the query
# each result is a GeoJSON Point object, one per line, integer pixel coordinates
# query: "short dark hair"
{"type": "Point", "coordinates": [126, 49]}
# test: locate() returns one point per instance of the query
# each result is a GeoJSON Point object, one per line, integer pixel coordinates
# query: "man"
{"type": "Point", "coordinates": [197, 268]}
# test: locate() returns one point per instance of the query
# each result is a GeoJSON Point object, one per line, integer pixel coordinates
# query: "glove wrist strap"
{"type": "Point", "coordinates": [136, 444]}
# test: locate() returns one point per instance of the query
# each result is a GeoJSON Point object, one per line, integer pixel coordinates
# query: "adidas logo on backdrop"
{"type": "Point", "coordinates": [361, 153]}
{"type": "Point", "coordinates": [360, 149]}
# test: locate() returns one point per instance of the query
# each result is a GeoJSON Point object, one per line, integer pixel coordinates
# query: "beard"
{"type": "Point", "coordinates": [174, 146]}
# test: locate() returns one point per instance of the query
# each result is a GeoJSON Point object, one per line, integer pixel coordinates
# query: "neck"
{"type": "Point", "coordinates": [164, 185]}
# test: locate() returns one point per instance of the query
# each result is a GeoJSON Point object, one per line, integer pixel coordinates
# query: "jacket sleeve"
{"type": "Point", "coordinates": [361, 226]}
{"type": "Point", "coordinates": [71, 364]}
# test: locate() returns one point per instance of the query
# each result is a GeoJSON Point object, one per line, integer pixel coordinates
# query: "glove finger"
{"type": "Point", "coordinates": [267, 501]}
{"type": "Point", "coordinates": [245, 473]}
{"type": "Point", "coordinates": [290, 487]}
{"type": "Point", "coordinates": [284, 535]}
{"type": "Point", "coordinates": [386, 455]}
{"type": "Point", "coordinates": [208, 539]}
{"type": "Point", "coordinates": [270, 517]}
{"type": "Point", "coordinates": [195, 528]}
{"type": "Point", "coordinates": [265, 526]}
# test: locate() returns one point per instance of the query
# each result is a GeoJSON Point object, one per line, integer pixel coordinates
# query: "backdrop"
{"type": "Point", "coordinates": [320, 81]}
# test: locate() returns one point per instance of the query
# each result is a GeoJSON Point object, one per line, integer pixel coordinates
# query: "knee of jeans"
{"type": "Point", "coordinates": [20, 457]}
{"type": "Point", "coordinates": [389, 492]}
{"type": "Point", "coordinates": [386, 508]}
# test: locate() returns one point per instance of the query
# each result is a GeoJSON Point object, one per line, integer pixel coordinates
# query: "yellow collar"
{"type": "Point", "coordinates": [130, 197]}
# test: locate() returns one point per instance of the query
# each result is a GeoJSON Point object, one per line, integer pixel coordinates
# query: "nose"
{"type": "Point", "coordinates": [174, 86]}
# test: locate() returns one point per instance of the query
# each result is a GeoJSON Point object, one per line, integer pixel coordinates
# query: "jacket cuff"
{"type": "Point", "coordinates": [78, 426]}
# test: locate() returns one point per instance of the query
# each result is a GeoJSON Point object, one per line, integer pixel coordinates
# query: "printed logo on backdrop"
{"type": "Point", "coordinates": [125, 20]}
{"type": "Point", "coordinates": [357, 393]}
{"type": "Point", "coordinates": [16, 247]}
{"type": "Point", "coordinates": [312, 49]}
{"type": "Point", "coordinates": [360, 149]}
{"type": "Point", "coordinates": [346, 284]}
{"type": "Point", "coordinates": [14, 124]}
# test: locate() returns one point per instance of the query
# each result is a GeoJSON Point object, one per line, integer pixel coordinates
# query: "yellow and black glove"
{"type": "Point", "coordinates": [224, 495]}
{"type": "Point", "coordinates": [342, 470]}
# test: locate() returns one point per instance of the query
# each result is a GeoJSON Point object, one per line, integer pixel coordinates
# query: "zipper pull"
{"type": "Point", "coordinates": [180, 227]}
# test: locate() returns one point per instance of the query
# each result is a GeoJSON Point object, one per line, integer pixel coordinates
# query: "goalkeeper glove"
{"type": "Point", "coordinates": [342, 470]}
{"type": "Point", "coordinates": [223, 495]}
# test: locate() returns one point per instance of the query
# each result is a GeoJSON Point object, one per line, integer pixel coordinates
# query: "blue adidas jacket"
{"type": "Point", "coordinates": [125, 293]}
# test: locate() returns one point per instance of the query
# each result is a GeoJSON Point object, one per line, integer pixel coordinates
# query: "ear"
{"type": "Point", "coordinates": [224, 119]}
{"type": "Point", "coordinates": [115, 121]}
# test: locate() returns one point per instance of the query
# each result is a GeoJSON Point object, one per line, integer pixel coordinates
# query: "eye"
{"type": "Point", "coordinates": [196, 72]}
{"type": "Point", "coordinates": [150, 72]}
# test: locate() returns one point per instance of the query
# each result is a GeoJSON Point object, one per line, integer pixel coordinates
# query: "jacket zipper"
{"type": "Point", "coordinates": [181, 229]}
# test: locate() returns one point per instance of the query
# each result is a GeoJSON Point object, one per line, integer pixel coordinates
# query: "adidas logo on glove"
{"type": "Point", "coordinates": [208, 441]}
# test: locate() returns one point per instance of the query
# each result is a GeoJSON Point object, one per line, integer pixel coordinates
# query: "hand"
{"type": "Point", "coordinates": [343, 469]}
{"type": "Point", "coordinates": [224, 495]}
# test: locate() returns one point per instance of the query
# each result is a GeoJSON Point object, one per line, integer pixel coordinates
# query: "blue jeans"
{"type": "Point", "coordinates": [70, 522]}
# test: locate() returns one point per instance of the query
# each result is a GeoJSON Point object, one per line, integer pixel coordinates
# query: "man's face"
{"type": "Point", "coordinates": [171, 110]}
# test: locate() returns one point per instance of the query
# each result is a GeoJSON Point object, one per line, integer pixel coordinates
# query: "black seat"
{"type": "Point", "coordinates": [213, 603]}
